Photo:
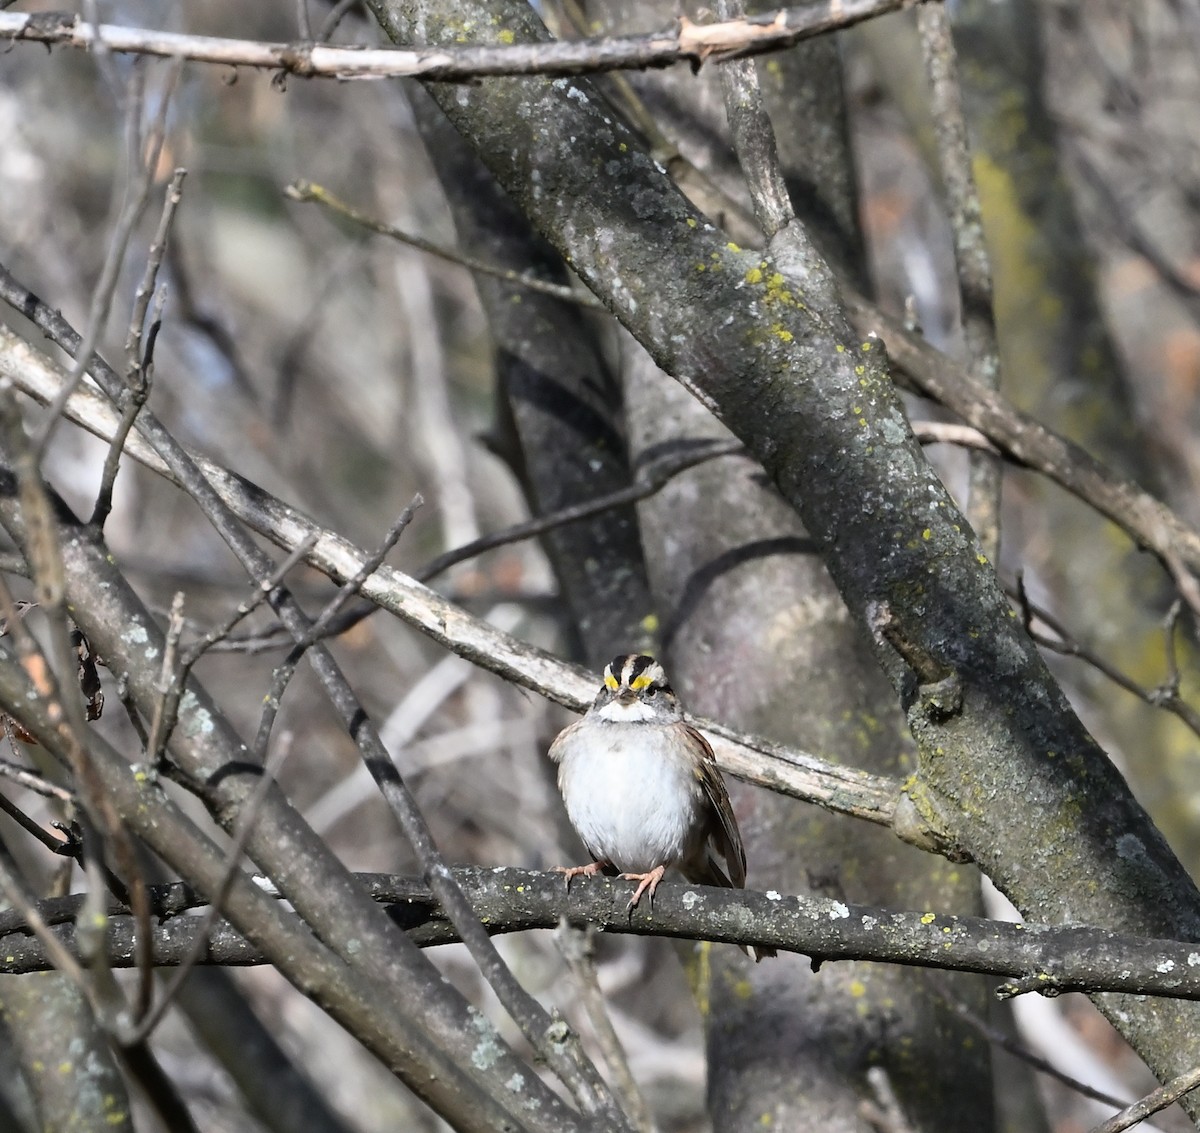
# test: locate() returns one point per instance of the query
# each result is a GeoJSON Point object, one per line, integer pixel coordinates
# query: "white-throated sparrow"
{"type": "Point", "coordinates": [642, 788]}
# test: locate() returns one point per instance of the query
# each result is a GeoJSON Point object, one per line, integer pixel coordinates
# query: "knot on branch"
{"type": "Point", "coordinates": [918, 821]}
{"type": "Point", "coordinates": [296, 59]}
{"type": "Point", "coordinates": [47, 27]}
{"type": "Point", "coordinates": [558, 1034]}
{"type": "Point", "coordinates": [942, 699]}
{"type": "Point", "coordinates": [938, 685]}
{"type": "Point", "coordinates": [1044, 983]}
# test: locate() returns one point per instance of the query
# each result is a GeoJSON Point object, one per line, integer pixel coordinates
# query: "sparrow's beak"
{"type": "Point", "coordinates": [626, 696]}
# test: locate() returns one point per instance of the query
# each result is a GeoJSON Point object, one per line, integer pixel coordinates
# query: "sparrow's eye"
{"type": "Point", "coordinates": [652, 690]}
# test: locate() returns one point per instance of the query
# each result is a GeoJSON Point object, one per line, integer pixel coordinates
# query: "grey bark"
{"type": "Point", "coordinates": [758, 637]}
{"type": "Point", "coordinates": [751, 616]}
{"type": "Point", "coordinates": [277, 1092]}
{"type": "Point", "coordinates": [1006, 772]}
{"type": "Point", "coordinates": [560, 401]}
{"type": "Point", "coordinates": [66, 1060]}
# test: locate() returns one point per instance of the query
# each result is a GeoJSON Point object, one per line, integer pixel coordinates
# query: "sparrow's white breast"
{"type": "Point", "coordinates": [633, 799]}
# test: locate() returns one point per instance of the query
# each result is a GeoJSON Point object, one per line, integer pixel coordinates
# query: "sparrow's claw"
{"type": "Point", "coordinates": [570, 871]}
{"type": "Point", "coordinates": [647, 883]}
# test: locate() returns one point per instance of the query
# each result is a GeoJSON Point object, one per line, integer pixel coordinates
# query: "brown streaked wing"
{"type": "Point", "coordinates": [725, 833]}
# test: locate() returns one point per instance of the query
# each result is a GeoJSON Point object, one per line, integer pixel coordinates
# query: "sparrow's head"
{"type": "Point", "coordinates": [635, 688]}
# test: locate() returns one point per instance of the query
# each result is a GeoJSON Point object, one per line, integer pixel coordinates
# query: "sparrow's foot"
{"type": "Point", "coordinates": [647, 883]}
{"type": "Point", "coordinates": [570, 871]}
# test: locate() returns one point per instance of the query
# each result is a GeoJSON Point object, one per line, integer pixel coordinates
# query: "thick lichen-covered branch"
{"type": "Point", "coordinates": [1026, 790]}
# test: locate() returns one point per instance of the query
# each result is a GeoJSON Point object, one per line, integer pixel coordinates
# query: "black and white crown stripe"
{"type": "Point", "coordinates": [635, 671]}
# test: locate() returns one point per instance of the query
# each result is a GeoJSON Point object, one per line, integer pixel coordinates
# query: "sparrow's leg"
{"type": "Point", "coordinates": [589, 870]}
{"type": "Point", "coordinates": [647, 883]}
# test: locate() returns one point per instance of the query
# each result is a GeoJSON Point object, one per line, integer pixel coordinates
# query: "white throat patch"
{"type": "Point", "coordinates": [617, 713]}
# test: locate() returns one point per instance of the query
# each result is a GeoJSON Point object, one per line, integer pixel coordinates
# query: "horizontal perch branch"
{"type": "Point", "coordinates": [1045, 958]}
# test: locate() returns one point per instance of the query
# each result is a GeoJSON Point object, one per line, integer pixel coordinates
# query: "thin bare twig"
{"type": "Point", "coordinates": [885, 1112]}
{"type": "Point", "coordinates": [143, 154]}
{"type": "Point", "coordinates": [687, 41]}
{"type": "Point", "coordinates": [1170, 687]}
{"type": "Point", "coordinates": [335, 16]}
{"type": "Point", "coordinates": [32, 781]}
{"type": "Point", "coordinates": [307, 191]}
{"type": "Point", "coordinates": [1186, 582]}
{"type": "Point", "coordinates": [134, 358]}
{"type": "Point", "coordinates": [576, 947]}
{"type": "Point", "coordinates": [135, 719]}
{"type": "Point", "coordinates": [320, 627]}
{"type": "Point", "coordinates": [985, 473]}
{"type": "Point", "coordinates": [164, 714]}
{"type": "Point", "coordinates": [104, 63]}
{"type": "Point", "coordinates": [948, 433]}
{"type": "Point", "coordinates": [189, 310]}
{"type": "Point", "coordinates": [1019, 1050]}
{"type": "Point", "coordinates": [1167, 1094]}
{"type": "Point", "coordinates": [650, 480]}
{"type": "Point", "coordinates": [303, 24]}
{"type": "Point", "coordinates": [1165, 696]}
{"type": "Point", "coordinates": [62, 845]}
{"type": "Point", "coordinates": [753, 137]}
{"type": "Point", "coordinates": [138, 365]}
{"type": "Point", "coordinates": [175, 672]}
{"type": "Point", "coordinates": [308, 327]}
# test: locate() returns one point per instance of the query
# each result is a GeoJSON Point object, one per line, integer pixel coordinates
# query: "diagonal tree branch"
{"type": "Point", "coordinates": [351, 994]}
{"type": "Point", "coordinates": [754, 759]}
{"type": "Point", "coordinates": [1022, 438]}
